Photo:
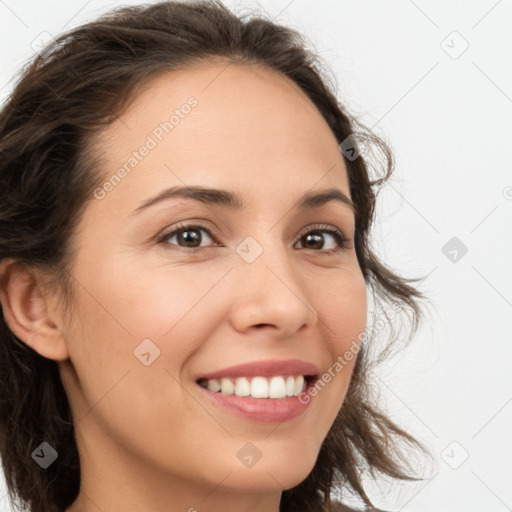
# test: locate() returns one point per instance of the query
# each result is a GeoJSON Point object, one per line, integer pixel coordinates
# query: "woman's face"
{"type": "Point", "coordinates": [157, 310]}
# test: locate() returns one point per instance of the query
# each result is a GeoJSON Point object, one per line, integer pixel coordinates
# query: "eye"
{"type": "Point", "coordinates": [315, 239]}
{"type": "Point", "coordinates": [187, 236]}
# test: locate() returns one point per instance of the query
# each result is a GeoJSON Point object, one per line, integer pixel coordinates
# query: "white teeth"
{"type": "Point", "coordinates": [242, 387]}
{"type": "Point", "coordinates": [258, 387]}
{"type": "Point", "coordinates": [277, 388]}
{"type": "Point", "coordinates": [290, 385]}
{"type": "Point", "coordinates": [299, 385]}
{"type": "Point", "coordinates": [227, 387]}
{"type": "Point", "coordinates": [214, 385]}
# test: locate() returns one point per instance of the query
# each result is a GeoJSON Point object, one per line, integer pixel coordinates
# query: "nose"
{"type": "Point", "coordinates": [270, 295]}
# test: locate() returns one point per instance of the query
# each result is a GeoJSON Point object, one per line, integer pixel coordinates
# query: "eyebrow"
{"type": "Point", "coordinates": [233, 201]}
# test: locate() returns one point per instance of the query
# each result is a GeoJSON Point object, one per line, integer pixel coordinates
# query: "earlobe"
{"type": "Point", "coordinates": [26, 310]}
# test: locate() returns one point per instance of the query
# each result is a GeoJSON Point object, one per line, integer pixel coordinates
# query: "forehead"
{"type": "Point", "coordinates": [226, 125]}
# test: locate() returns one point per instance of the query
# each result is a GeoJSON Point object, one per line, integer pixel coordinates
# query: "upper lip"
{"type": "Point", "coordinates": [264, 369]}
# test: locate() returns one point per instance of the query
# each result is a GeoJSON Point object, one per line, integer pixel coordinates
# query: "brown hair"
{"type": "Point", "coordinates": [85, 79]}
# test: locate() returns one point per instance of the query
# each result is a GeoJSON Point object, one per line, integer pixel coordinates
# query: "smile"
{"type": "Point", "coordinates": [275, 387]}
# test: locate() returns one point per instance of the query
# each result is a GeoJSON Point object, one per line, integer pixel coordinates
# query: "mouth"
{"type": "Point", "coordinates": [261, 399]}
{"type": "Point", "coordinates": [276, 387]}
{"type": "Point", "coordinates": [261, 391]}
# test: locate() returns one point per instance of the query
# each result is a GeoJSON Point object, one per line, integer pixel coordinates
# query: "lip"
{"type": "Point", "coordinates": [267, 368]}
{"type": "Point", "coordinates": [262, 410]}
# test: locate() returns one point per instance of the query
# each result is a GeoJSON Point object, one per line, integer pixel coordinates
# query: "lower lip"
{"type": "Point", "coordinates": [265, 410]}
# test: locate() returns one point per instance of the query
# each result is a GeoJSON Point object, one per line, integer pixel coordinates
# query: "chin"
{"type": "Point", "coordinates": [278, 472]}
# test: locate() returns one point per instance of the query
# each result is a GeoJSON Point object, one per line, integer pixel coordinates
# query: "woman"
{"type": "Point", "coordinates": [185, 269]}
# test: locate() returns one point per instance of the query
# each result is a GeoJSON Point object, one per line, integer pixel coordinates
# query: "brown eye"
{"type": "Point", "coordinates": [317, 241]}
{"type": "Point", "coordinates": [186, 236]}
{"type": "Point", "coordinates": [322, 239]}
{"type": "Point", "coordinates": [190, 237]}
{"type": "Point", "coordinates": [313, 240]}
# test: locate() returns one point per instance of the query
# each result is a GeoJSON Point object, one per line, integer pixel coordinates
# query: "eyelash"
{"type": "Point", "coordinates": [338, 235]}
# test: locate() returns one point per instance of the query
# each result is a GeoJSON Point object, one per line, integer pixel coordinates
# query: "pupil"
{"type": "Point", "coordinates": [316, 238]}
{"type": "Point", "coordinates": [190, 236]}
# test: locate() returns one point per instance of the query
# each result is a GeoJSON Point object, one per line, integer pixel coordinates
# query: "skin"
{"type": "Point", "coordinates": [148, 439]}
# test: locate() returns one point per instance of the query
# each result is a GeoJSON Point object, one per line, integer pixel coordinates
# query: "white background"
{"type": "Point", "coordinates": [448, 118]}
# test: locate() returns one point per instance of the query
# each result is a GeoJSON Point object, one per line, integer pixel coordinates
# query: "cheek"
{"type": "Point", "coordinates": [167, 313]}
{"type": "Point", "coordinates": [149, 302]}
{"type": "Point", "coordinates": [115, 393]}
{"type": "Point", "coordinates": [342, 310]}
{"type": "Point", "coordinates": [178, 308]}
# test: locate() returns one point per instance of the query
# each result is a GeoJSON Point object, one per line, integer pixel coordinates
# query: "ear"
{"type": "Point", "coordinates": [28, 310]}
